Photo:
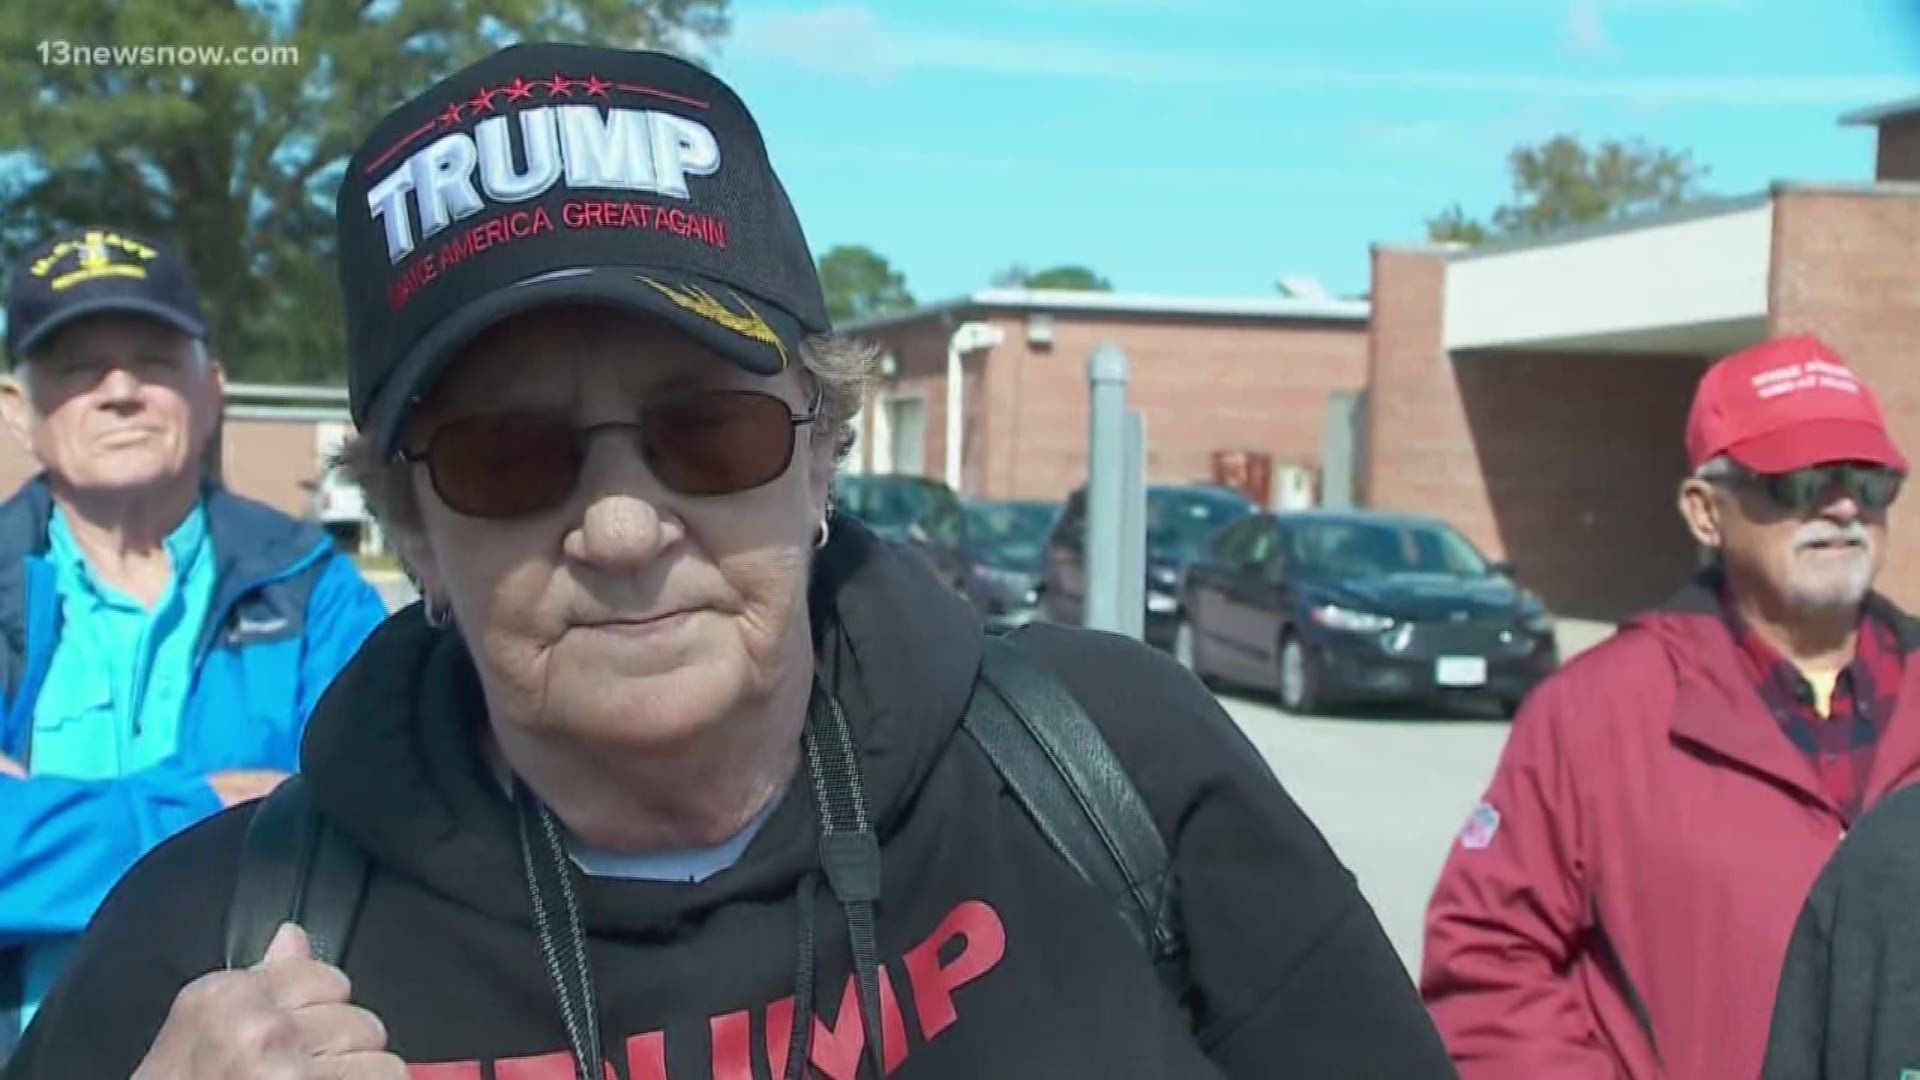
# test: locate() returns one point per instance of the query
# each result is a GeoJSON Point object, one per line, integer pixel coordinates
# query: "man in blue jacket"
{"type": "Point", "coordinates": [162, 642]}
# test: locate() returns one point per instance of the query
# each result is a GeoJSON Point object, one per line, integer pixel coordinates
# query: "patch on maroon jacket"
{"type": "Point", "coordinates": [1480, 827]}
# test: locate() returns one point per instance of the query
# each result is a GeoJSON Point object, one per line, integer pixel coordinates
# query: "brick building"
{"type": "Point", "coordinates": [1535, 393]}
{"type": "Point", "coordinates": [1532, 393]}
{"type": "Point", "coordinates": [1264, 376]}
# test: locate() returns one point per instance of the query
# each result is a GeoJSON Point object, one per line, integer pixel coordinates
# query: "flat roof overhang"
{"type": "Point", "coordinates": [1690, 282]}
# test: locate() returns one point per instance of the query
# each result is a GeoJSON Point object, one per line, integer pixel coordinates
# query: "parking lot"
{"type": "Point", "coordinates": [1389, 790]}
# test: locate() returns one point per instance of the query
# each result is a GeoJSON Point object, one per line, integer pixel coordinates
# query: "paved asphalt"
{"type": "Point", "coordinates": [1388, 791]}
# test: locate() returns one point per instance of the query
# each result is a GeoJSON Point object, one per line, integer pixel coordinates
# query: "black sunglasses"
{"type": "Point", "coordinates": [1805, 490]}
{"type": "Point", "coordinates": [511, 464]}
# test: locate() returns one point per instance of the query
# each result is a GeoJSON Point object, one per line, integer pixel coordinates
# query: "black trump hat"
{"type": "Point", "coordinates": [550, 173]}
{"type": "Point", "coordinates": [97, 271]}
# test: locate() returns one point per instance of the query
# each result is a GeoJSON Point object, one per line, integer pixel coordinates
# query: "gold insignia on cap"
{"type": "Point", "coordinates": [96, 254]}
{"type": "Point", "coordinates": [702, 303]}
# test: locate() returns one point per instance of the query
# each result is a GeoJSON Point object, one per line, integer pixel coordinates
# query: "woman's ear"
{"type": "Point", "coordinates": [417, 558]}
{"type": "Point", "coordinates": [821, 467]}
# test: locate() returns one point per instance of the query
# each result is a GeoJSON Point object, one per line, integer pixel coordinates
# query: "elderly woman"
{"type": "Point", "coordinates": [591, 772]}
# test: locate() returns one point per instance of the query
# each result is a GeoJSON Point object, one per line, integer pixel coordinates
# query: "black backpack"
{"type": "Point", "coordinates": [297, 868]}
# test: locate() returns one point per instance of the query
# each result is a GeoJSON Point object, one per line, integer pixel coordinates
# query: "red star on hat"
{"type": "Point", "coordinates": [559, 85]}
{"type": "Point", "coordinates": [452, 115]}
{"type": "Point", "coordinates": [483, 101]}
{"type": "Point", "coordinates": [518, 89]}
{"type": "Point", "coordinates": [597, 85]}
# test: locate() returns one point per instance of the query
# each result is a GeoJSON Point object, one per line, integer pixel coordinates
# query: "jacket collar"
{"type": "Point", "coordinates": [1719, 709]}
{"type": "Point", "coordinates": [250, 541]}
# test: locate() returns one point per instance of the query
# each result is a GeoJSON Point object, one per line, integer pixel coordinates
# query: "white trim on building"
{"type": "Point", "coordinates": [1052, 301]}
{"type": "Point", "coordinates": [1688, 282]}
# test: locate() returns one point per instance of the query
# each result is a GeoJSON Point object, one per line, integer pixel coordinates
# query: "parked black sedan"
{"type": "Point", "coordinates": [1004, 541]}
{"type": "Point", "coordinates": [1181, 519]}
{"type": "Point", "coordinates": [1336, 606]}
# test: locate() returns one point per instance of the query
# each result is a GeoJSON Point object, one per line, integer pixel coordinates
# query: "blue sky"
{"type": "Point", "coordinates": [1210, 146]}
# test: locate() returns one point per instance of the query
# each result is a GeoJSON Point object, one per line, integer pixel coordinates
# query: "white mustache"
{"type": "Point", "coordinates": [1819, 532]}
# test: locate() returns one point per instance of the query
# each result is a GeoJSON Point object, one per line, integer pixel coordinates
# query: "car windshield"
{"type": "Point", "coordinates": [1365, 549]}
{"type": "Point", "coordinates": [886, 505]}
{"type": "Point", "coordinates": [1009, 525]}
{"type": "Point", "coordinates": [1179, 522]}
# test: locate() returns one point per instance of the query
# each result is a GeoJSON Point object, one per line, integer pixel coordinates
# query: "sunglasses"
{"type": "Point", "coordinates": [511, 464]}
{"type": "Point", "coordinates": [1805, 490]}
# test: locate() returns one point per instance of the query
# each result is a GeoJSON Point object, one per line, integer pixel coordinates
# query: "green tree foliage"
{"type": "Point", "coordinates": [1060, 277]}
{"type": "Point", "coordinates": [1562, 183]}
{"type": "Point", "coordinates": [860, 283]}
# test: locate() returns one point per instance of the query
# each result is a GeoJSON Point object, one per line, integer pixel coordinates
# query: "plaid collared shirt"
{"type": "Point", "coordinates": [1840, 745]}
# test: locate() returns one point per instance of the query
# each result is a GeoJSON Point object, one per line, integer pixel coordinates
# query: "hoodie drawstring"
{"type": "Point", "coordinates": [800, 1038]}
{"type": "Point", "coordinates": [564, 949]}
{"type": "Point", "coordinates": [849, 855]}
{"type": "Point", "coordinates": [849, 863]}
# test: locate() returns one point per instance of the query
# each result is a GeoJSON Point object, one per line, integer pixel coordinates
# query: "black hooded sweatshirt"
{"type": "Point", "coordinates": [996, 958]}
{"type": "Point", "coordinates": [1849, 1001]}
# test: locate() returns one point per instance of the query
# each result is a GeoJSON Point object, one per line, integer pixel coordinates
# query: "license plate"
{"type": "Point", "coordinates": [1461, 671]}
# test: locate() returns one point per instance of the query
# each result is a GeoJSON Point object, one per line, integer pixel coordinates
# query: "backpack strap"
{"type": "Point", "coordinates": [294, 867]}
{"type": "Point", "coordinates": [1062, 772]}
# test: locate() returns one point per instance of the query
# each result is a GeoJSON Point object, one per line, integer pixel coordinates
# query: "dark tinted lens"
{"type": "Point", "coordinates": [1801, 489]}
{"type": "Point", "coordinates": [1876, 488]}
{"type": "Point", "coordinates": [505, 465]}
{"type": "Point", "coordinates": [1805, 490]}
{"type": "Point", "coordinates": [718, 443]}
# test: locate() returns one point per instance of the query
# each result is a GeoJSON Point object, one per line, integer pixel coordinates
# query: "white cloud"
{"type": "Point", "coordinates": [839, 39]}
{"type": "Point", "coordinates": [1453, 141]}
{"type": "Point", "coordinates": [1586, 33]}
{"type": "Point", "coordinates": [1405, 137]}
{"type": "Point", "coordinates": [906, 159]}
{"type": "Point", "coordinates": [1465, 7]}
{"type": "Point", "coordinates": [1117, 7]}
{"type": "Point", "coordinates": [850, 40]}
{"type": "Point", "coordinates": [1681, 5]}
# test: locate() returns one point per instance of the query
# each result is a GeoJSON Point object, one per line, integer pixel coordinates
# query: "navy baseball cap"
{"type": "Point", "coordinates": [549, 173]}
{"type": "Point", "coordinates": [97, 272]}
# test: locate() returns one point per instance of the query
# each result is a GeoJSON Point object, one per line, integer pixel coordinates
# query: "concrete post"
{"type": "Point", "coordinates": [1133, 531]}
{"type": "Point", "coordinates": [1106, 482]}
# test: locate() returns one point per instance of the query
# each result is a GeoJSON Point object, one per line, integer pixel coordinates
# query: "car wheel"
{"type": "Point", "coordinates": [1299, 683]}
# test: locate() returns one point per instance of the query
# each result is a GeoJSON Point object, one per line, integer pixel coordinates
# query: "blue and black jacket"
{"type": "Point", "coordinates": [288, 612]}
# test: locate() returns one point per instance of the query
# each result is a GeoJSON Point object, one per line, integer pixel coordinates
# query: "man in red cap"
{"type": "Point", "coordinates": [1620, 902]}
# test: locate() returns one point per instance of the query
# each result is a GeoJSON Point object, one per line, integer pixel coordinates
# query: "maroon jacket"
{"type": "Point", "coordinates": [1620, 903]}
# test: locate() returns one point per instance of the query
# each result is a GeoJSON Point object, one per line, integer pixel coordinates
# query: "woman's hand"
{"type": "Point", "coordinates": [290, 1017]}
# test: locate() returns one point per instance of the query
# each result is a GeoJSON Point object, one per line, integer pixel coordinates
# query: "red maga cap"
{"type": "Point", "coordinates": [1787, 404]}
